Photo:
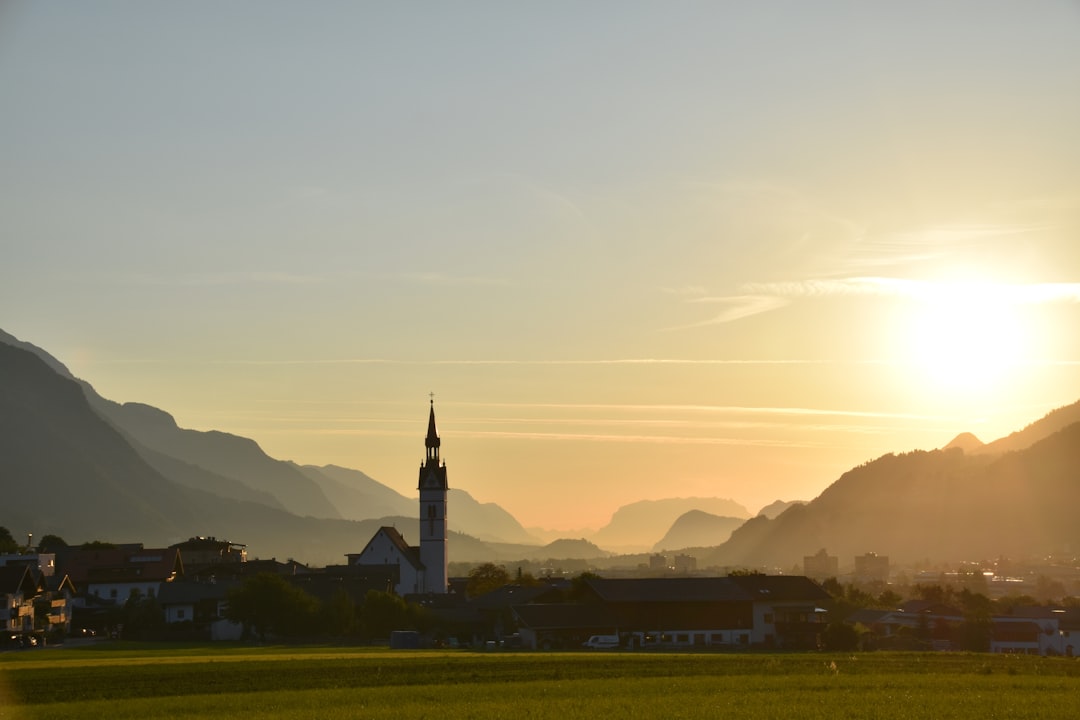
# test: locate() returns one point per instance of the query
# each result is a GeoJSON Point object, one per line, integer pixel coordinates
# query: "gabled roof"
{"type": "Point", "coordinates": [355, 584]}
{"type": "Point", "coordinates": [867, 616]}
{"type": "Point", "coordinates": [410, 553]}
{"type": "Point", "coordinates": [122, 565]}
{"type": "Point", "coordinates": [688, 589]}
{"type": "Point", "coordinates": [59, 583]}
{"type": "Point", "coordinates": [1068, 618]}
{"type": "Point", "coordinates": [929, 607]}
{"type": "Point", "coordinates": [182, 592]}
{"type": "Point", "coordinates": [737, 588]}
{"type": "Point", "coordinates": [563, 616]}
{"type": "Point", "coordinates": [15, 579]}
{"type": "Point", "coordinates": [780, 588]}
{"type": "Point", "coordinates": [513, 594]}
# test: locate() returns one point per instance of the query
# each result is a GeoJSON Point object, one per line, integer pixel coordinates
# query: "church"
{"type": "Point", "coordinates": [423, 569]}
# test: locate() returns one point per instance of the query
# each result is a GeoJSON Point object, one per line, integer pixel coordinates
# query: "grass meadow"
{"type": "Point", "coordinates": [123, 681]}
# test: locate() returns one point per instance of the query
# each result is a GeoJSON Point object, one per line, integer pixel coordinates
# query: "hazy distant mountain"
{"type": "Point", "coordinates": [485, 521]}
{"type": "Point", "coordinates": [941, 505]}
{"type": "Point", "coordinates": [57, 453]}
{"type": "Point", "coordinates": [65, 470]}
{"type": "Point", "coordinates": [359, 497]}
{"type": "Point", "coordinates": [775, 508]}
{"type": "Point", "coordinates": [193, 476]}
{"type": "Point", "coordinates": [224, 464]}
{"type": "Point", "coordinates": [1053, 422]}
{"type": "Point", "coordinates": [561, 549]}
{"type": "Point", "coordinates": [58, 367]}
{"type": "Point", "coordinates": [966, 442]}
{"type": "Point", "coordinates": [221, 453]}
{"type": "Point", "coordinates": [356, 495]}
{"type": "Point", "coordinates": [638, 526]}
{"type": "Point", "coordinates": [567, 548]}
{"type": "Point", "coordinates": [697, 528]}
{"type": "Point", "coordinates": [545, 535]}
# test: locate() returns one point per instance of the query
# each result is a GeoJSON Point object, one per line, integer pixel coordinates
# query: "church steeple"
{"type": "Point", "coordinates": [432, 441]}
{"type": "Point", "coordinates": [434, 530]}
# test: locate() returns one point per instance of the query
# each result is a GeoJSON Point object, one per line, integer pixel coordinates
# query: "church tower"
{"type": "Point", "coordinates": [433, 528]}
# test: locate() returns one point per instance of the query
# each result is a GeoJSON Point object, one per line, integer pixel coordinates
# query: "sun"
{"type": "Point", "coordinates": [967, 337]}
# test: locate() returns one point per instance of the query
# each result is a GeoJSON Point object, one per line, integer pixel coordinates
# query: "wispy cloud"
{"type": "Point", "coordinates": [758, 298]}
{"type": "Point", "coordinates": [635, 439]}
{"type": "Point", "coordinates": [517, 362]}
{"type": "Point", "coordinates": [737, 307]}
{"type": "Point", "coordinates": [241, 277]}
{"type": "Point", "coordinates": [929, 245]}
{"type": "Point", "coordinates": [1020, 293]}
{"type": "Point", "coordinates": [442, 279]}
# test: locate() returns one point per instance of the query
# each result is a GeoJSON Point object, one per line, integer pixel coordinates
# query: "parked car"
{"type": "Point", "coordinates": [601, 642]}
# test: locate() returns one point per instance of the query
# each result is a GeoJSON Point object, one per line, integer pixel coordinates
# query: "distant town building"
{"type": "Point", "coordinates": [821, 566]}
{"type": "Point", "coordinates": [872, 567]}
{"type": "Point", "coordinates": [685, 564]}
{"type": "Point", "coordinates": [658, 562]}
{"type": "Point", "coordinates": [201, 553]}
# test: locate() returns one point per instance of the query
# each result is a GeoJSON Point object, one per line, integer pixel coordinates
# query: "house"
{"type": "Point", "coordinates": [44, 563]}
{"type": "Point", "coordinates": [555, 626]}
{"type": "Point", "coordinates": [690, 612]}
{"type": "Point", "coordinates": [18, 588]}
{"type": "Point", "coordinates": [387, 550]}
{"type": "Point", "coordinates": [111, 575]}
{"type": "Point", "coordinates": [926, 624]}
{"type": "Point", "coordinates": [204, 554]}
{"type": "Point", "coordinates": [54, 605]}
{"type": "Point", "coordinates": [198, 608]}
{"type": "Point", "coordinates": [355, 582]}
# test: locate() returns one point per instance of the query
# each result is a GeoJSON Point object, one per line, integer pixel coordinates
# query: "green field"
{"type": "Point", "coordinates": [117, 681]}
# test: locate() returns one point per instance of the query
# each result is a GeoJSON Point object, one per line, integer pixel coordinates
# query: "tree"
{"type": "Point", "coordinates": [51, 543]}
{"type": "Point", "coordinates": [485, 578]}
{"type": "Point", "coordinates": [382, 613]}
{"type": "Point", "coordinates": [7, 542]}
{"type": "Point", "coordinates": [889, 600]}
{"type": "Point", "coordinates": [143, 617]}
{"type": "Point", "coordinates": [268, 603]}
{"type": "Point", "coordinates": [98, 545]}
{"type": "Point", "coordinates": [840, 637]}
{"type": "Point", "coordinates": [338, 614]}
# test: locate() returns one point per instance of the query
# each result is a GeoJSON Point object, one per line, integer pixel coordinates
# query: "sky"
{"type": "Point", "coordinates": [636, 250]}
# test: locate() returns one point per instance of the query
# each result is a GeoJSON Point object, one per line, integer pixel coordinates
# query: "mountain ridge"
{"type": "Point", "coordinates": [965, 506]}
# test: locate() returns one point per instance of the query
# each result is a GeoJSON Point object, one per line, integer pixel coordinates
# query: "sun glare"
{"type": "Point", "coordinates": [967, 337]}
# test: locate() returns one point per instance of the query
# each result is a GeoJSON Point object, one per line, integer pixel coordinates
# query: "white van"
{"type": "Point", "coordinates": [602, 642]}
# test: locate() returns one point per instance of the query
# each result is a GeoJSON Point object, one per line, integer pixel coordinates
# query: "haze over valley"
{"type": "Point", "coordinates": [77, 464]}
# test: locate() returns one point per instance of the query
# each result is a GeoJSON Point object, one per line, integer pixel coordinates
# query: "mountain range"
{"type": "Point", "coordinates": [1016, 497]}
{"type": "Point", "coordinates": [76, 464]}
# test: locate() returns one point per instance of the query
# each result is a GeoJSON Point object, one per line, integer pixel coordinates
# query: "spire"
{"type": "Point", "coordinates": [432, 441]}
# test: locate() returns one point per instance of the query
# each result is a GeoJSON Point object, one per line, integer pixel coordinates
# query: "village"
{"type": "Point", "coordinates": [207, 589]}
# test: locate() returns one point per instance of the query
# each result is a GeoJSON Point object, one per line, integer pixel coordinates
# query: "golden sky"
{"type": "Point", "coordinates": [637, 250]}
